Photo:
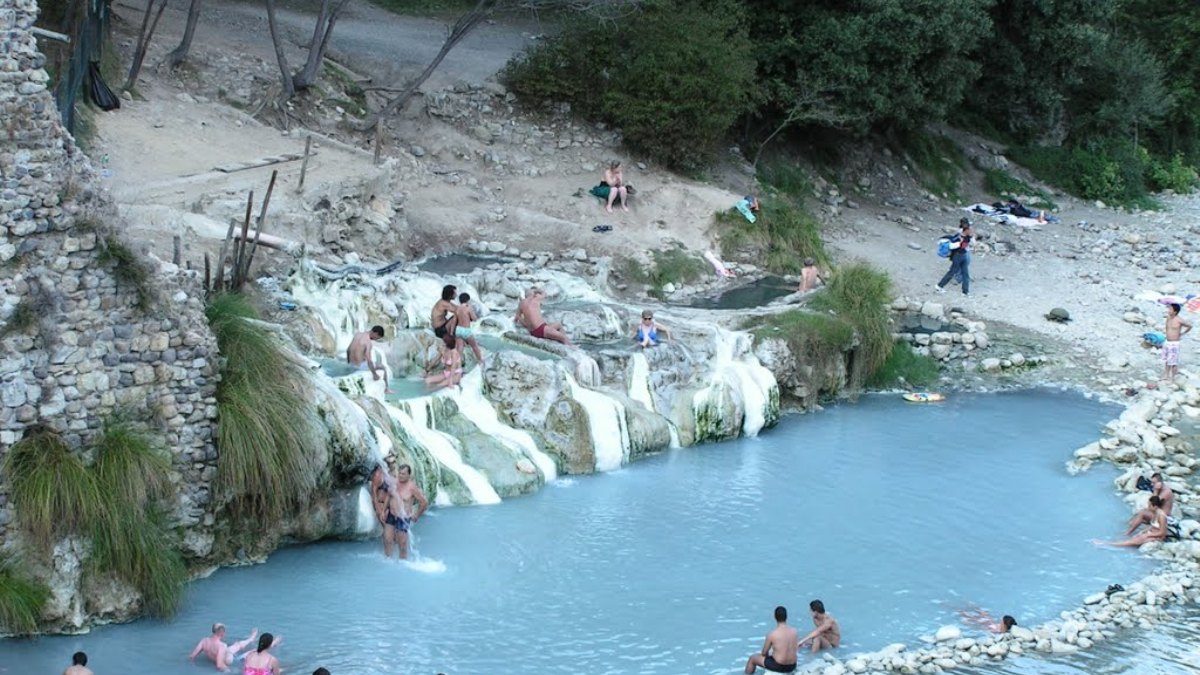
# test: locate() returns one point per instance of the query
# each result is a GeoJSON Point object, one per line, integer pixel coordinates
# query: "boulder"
{"type": "Point", "coordinates": [947, 633]}
{"type": "Point", "coordinates": [990, 365]}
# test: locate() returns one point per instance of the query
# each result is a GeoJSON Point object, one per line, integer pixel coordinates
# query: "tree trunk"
{"type": "Point", "coordinates": [285, 73]}
{"type": "Point", "coordinates": [326, 20]}
{"type": "Point", "coordinates": [143, 42]}
{"type": "Point", "coordinates": [463, 27]}
{"type": "Point", "coordinates": [179, 54]}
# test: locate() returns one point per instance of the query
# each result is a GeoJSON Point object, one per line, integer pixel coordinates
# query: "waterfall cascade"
{"type": "Point", "coordinates": [475, 442]}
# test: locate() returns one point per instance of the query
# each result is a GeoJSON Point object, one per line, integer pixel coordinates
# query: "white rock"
{"type": "Point", "coordinates": [947, 633]}
{"type": "Point", "coordinates": [1060, 647]}
{"type": "Point", "coordinates": [1021, 633]}
{"type": "Point", "coordinates": [991, 365]}
{"type": "Point", "coordinates": [933, 310]}
{"type": "Point", "coordinates": [1094, 599]}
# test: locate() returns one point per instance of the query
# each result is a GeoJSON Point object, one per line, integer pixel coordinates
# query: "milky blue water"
{"type": "Point", "coordinates": [895, 514]}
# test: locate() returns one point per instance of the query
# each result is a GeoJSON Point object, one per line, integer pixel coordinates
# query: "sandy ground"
{"type": "Point", "coordinates": [161, 153]}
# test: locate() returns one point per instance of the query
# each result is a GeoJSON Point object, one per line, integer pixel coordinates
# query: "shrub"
{"type": "Point", "coordinates": [21, 600]}
{"type": "Point", "coordinates": [938, 160]}
{"type": "Point", "coordinates": [1173, 174]}
{"type": "Point", "coordinates": [860, 295]}
{"type": "Point", "coordinates": [813, 338]}
{"type": "Point", "coordinates": [1003, 184]}
{"type": "Point", "coordinates": [674, 77]}
{"type": "Point", "coordinates": [265, 430]}
{"type": "Point", "coordinates": [905, 366]}
{"type": "Point", "coordinates": [54, 493]}
{"type": "Point", "coordinates": [24, 317]}
{"type": "Point", "coordinates": [783, 235]}
{"type": "Point", "coordinates": [1111, 170]}
{"type": "Point", "coordinates": [129, 467]}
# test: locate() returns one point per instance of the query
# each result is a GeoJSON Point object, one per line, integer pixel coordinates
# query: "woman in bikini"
{"type": "Point", "coordinates": [261, 662]}
{"type": "Point", "coordinates": [451, 358]}
{"type": "Point", "coordinates": [1157, 530]}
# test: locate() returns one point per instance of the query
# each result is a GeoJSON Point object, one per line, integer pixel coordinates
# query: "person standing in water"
{"type": "Point", "coordinates": [217, 651]}
{"type": "Point", "coordinates": [827, 634]}
{"type": "Point", "coordinates": [529, 315]}
{"type": "Point", "coordinates": [465, 315]}
{"type": "Point", "coordinates": [441, 318]}
{"type": "Point", "coordinates": [779, 649]}
{"type": "Point", "coordinates": [78, 665]}
{"type": "Point", "coordinates": [409, 504]}
{"type": "Point", "coordinates": [810, 276]}
{"type": "Point", "coordinates": [383, 496]}
{"type": "Point", "coordinates": [1175, 328]}
{"type": "Point", "coordinates": [260, 661]}
{"type": "Point", "coordinates": [360, 353]}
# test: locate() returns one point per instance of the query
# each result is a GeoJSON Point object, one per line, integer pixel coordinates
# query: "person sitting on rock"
{"type": "Point", "coordinates": [450, 352]}
{"type": "Point", "coordinates": [827, 634]}
{"type": "Point", "coordinates": [779, 649]}
{"type": "Point", "coordinates": [529, 315]}
{"type": "Point", "coordinates": [443, 318]}
{"type": "Point", "coordinates": [1165, 496]}
{"type": "Point", "coordinates": [359, 353]}
{"type": "Point", "coordinates": [648, 330]}
{"type": "Point", "coordinates": [1156, 531]}
{"type": "Point", "coordinates": [615, 181]}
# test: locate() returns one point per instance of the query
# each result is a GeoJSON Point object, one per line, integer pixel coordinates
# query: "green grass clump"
{"type": "Point", "coordinates": [23, 318]}
{"type": "Point", "coordinates": [784, 233]}
{"type": "Point", "coordinates": [21, 600]}
{"type": "Point", "coordinates": [128, 268]}
{"type": "Point", "coordinates": [54, 492]}
{"type": "Point", "coordinates": [860, 295]}
{"type": "Point", "coordinates": [265, 432]}
{"type": "Point", "coordinates": [114, 502]}
{"type": "Point", "coordinates": [938, 160]}
{"type": "Point", "coordinates": [905, 366]}
{"type": "Point", "coordinates": [786, 178]}
{"type": "Point", "coordinates": [672, 266]}
{"type": "Point", "coordinates": [813, 338]}
{"type": "Point", "coordinates": [1003, 184]}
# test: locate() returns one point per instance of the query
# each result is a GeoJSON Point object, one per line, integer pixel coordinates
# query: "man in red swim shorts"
{"type": "Point", "coordinates": [529, 315]}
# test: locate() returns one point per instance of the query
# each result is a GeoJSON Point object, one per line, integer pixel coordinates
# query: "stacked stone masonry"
{"type": "Point", "coordinates": [91, 351]}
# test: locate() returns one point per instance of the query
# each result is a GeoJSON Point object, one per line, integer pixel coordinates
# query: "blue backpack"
{"type": "Point", "coordinates": [944, 249]}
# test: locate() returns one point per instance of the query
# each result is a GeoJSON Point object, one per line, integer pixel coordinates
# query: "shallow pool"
{"type": "Point", "coordinates": [896, 515]}
{"type": "Point", "coordinates": [754, 294]}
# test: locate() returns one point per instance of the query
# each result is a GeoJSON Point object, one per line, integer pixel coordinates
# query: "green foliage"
{"type": "Point", "coordinates": [54, 492]}
{"type": "Point", "coordinates": [23, 318]}
{"type": "Point", "coordinates": [1173, 174]}
{"type": "Point", "coordinates": [674, 77]}
{"type": "Point", "coordinates": [905, 367]}
{"type": "Point", "coordinates": [814, 338]}
{"type": "Point", "coordinates": [129, 468]}
{"type": "Point", "coordinates": [939, 162]}
{"type": "Point", "coordinates": [671, 266]}
{"type": "Point", "coordinates": [894, 62]}
{"type": "Point", "coordinates": [860, 295]}
{"type": "Point", "coordinates": [787, 178]}
{"type": "Point", "coordinates": [128, 268]}
{"type": "Point", "coordinates": [1115, 171]}
{"type": "Point", "coordinates": [21, 599]}
{"type": "Point", "coordinates": [1003, 184]}
{"type": "Point", "coordinates": [265, 432]}
{"type": "Point", "coordinates": [782, 237]}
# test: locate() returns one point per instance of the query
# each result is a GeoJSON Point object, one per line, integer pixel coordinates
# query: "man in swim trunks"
{"type": "Point", "coordinates": [778, 653]}
{"type": "Point", "coordinates": [1166, 497]}
{"type": "Point", "coordinates": [827, 634]}
{"type": "Point", "coordinates": [359, 353]}
{"type": "Point", "coordinates": [465, 315]}
{"type": "Point", "coordinates": [214, 647]}
{"type": "Point", "coordinates": [383, 492]}
{"type": "Point", "coordinates": [529, 315]}
{"type": "Point", "coordinates": [442, 317]}
{"type": "Point", "coordinates": [409, 505]}
{"type": "Point", "coordinates": [1175, 328]}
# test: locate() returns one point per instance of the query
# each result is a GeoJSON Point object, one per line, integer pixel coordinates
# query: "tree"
{"type": "Point", "coordinates": [470, 20]}
{"type": "Point", "coordinates": [285, 73]}
{"type": "Point", "coordinates": [145, 34]}
{"type": "Point", "coordinates": [322, 31]}
{"type": "Point", "coordinates": [179, 54]}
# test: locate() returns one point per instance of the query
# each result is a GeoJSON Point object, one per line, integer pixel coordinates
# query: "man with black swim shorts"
{"type": "Point", "coordinates": [779, 649]}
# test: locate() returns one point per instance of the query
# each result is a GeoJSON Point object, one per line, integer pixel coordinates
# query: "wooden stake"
{"type": "Point", "coordinates": [177, 252]}
{"type": "Point", "coordinates": [236, 280]}
{"type": "Point", "coordinates": [304, 164]}
{"type": "Point", "coordinates": [219, 281]}
{"type": "Point", "coordinates": [262, 217]}
{"type": "Point", "coordinates": [207, 276]}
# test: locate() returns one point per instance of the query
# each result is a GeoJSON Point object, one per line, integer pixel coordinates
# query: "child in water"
{"type": "Point", "coordinates": [466, 316]}
{"type": "Point", "coordinates": [648, 330]}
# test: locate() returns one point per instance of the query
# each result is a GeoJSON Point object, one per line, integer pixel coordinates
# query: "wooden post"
{"type": "Point", "coordinates": [240, 247]}
{"type": "Point", "coordinates": [219, 280]}
{"type": "Point", "coordinates": [262, 217]}
{"type": "Point", "coordinates": [304, 164]}
{"type": "Point", "coordinates": [176, 253]}
{"type": "Point", "coordinates": [378, 140]}
{"type": "Point", "coordinates": [207, 277]}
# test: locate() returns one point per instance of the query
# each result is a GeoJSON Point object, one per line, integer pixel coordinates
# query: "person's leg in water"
{"type": "Point", "coordinates": [402, 542]}
{"type": "Point", "coordinates": [475, 348]}
{"type": "Point", "coordinates": [756, 661]}
{"type": "Point", "coordinates": [389, 538]}
{"type": "Point", "coordinates": [820, 643]}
